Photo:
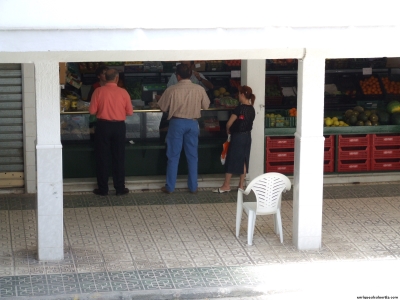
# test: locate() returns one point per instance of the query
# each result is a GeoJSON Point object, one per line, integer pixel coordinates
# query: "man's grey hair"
{"type": "Point", "coordinates": [111, 74]}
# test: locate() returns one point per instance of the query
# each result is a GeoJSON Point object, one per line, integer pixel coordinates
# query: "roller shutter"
{"type": "Point", "coordinates": [11, 136]}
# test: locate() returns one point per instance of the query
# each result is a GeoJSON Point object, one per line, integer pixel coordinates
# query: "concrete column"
{"type": "Point", "coordinates": [253, 75]}
{"type": "Point", "coordinates": [29, 123]}
{"type": "Point", "coordinates": [309, 154]}
{"type": "Point", "coordinates": [49, 162]}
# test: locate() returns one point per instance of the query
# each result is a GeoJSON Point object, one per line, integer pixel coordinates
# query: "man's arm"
{"type": "Point", "coordinates": [163, 103]}
{"type": "Point", "coordinates": [128, 107]}
{"type": "Point", "coordinates": [205, 101]}
{"type": "Point", "coordinates": [203, 81]}
{"type": "Point", "coordinates": [94, 102]}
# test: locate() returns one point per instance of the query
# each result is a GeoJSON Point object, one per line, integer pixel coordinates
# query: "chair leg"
{"type": "Point", "coordinates": [279, 224]}
{"type": "Point", "coordinates": [250, 227]}
{"type": "Point", "coordinates": [239, 211]}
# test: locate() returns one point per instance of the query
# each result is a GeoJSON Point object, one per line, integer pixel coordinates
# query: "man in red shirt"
{"type": "Point", "coordinates": [111, 104]}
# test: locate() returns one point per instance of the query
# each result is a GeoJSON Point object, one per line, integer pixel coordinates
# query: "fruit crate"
{"type": "Point", "coordinates": [169, 66]}
{"type": "Point", "coordinates": [381, 152]}
{"type": "Point", "coordinates": [353, 140]}
{"type": "Point", "coordinates": [279, 142]}
{"type": "Point", "coordinates": [378, 62]}
{"type": "Point", "coordinates": [278, 122]}
{"type": "Point", "coordinates": [385, 164]}
{"type": "Point", "coordinates": [359, 63]}
{"type": "Point", "coordinates": [272, 83]}
{"type": "Point", "coordinates": [133, 68]}
{"type": "Point", "coordinates": [376, 96]}
{"type": "Point", "coordinates": [280, 167]}
{"type": "Point", "coordinates": [277, 155]}
{"type": "Point", "coordinates": [352, 153]}
{"type": "Point", "coordinates": [391, 86]}
{"type": "Point", "coordinates": [329, 166]}
{"type": "Point", "coordinates": [215, 66]}
{"type": "Point", "coordinates": [329, 141]}
{"type": "Point", "coordinates": [385, 139]}
{"type": "Point", "coordinates": [329, 153]}
{"type": "Point", "coordinates": [353, 165]}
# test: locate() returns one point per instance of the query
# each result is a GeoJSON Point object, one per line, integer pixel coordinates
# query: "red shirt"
{"type": "Point", "coordinates": [111, 102]}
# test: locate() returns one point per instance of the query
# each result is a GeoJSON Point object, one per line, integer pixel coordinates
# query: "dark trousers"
{"type": "Point", "coordinates": [110, 139]}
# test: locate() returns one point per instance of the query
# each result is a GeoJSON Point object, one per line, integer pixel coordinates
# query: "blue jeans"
{"type": "Point", "coordinates": [182, 132]}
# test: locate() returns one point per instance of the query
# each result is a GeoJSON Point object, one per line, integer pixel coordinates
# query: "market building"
{"type": "Point", "coordinates": [32, 48]}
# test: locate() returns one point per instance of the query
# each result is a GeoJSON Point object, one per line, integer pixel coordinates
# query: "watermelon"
{"type": "Point", "coordinates": [395, 118]}
{"type": "Point", "coordinates": [384, 117]}
{"type": "Point", "coordinates": [393, 106]}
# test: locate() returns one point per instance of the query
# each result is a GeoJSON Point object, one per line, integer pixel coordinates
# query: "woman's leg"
{"type": "Point", "coordinates": [227, 182]}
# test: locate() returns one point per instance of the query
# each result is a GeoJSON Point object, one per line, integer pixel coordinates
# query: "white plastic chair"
{"type": "Point", "coordinates": [268, 189]}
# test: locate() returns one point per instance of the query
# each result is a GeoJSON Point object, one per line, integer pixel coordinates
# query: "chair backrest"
{"type": "Point", "coordinates": [268, 189]}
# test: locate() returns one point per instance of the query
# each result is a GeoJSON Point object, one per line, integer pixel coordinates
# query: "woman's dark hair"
{"type": "Point", "coordinates": [100, 70]}
{"type": "Point", "coordinates": [248, 93]}
{"type": "Point", "coordinates": [183, 71]}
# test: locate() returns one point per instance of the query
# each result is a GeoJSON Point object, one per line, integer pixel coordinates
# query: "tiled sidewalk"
{"type": "Point", "coordinates": [149, 241]}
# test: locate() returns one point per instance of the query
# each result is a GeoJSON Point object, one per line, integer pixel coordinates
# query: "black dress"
{"type": "Point", "coordinates": [239, 148]}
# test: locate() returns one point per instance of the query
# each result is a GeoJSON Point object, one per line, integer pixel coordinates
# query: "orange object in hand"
{"type": "Point", "coordinates": [225, 147]}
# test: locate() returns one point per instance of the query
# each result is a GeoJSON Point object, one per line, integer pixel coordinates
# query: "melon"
{"type": "Point", "coordinates": [393, 106]}
{"type": "Point", "coordinates": [395, 118]}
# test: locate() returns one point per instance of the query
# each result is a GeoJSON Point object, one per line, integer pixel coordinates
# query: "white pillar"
{"type": "Point", "coordinates": [29, 117]}
{"type": "Point", "coordinates": [253, 75]}
{"type": "Point", "coordinates": [49, 162]}
{"type": "Point", "coordinates": [309, 154]}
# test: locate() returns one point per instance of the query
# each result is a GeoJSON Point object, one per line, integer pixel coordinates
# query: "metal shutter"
{"type": "Point", "coordinates": [11, 137]}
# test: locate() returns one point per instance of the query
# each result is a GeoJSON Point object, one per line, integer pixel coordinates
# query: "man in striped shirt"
{"type": "Point", "coordinates": [183, 102]}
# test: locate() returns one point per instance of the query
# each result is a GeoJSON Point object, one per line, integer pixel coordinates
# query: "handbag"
{"type": "Point", "coordinates": [225, 147]}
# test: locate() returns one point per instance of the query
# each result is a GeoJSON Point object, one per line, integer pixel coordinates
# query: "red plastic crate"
{"type": "Point", "coordinates": [280, 154]}
{"type": "Point", "coordinates": [352, 153]}
{"type": "Point", "coordinates": [329, 153]}
{"type": "Point", "coordinates": [353, 165]}
{"type": "Point", "coordinates": [392, 164]}
{"type": "Point", "coordinates": [385, 139]}
{"type": "Point", "coordinates": [382, 152]}
{"type": "Point", "coordinates": [329, 140]}
{"type": "Point", "coordinates": [280, 167]}
{"type": "Point", "coordinates": [329, 166]}
{"type": "Point", "coordinates": [280, 142]}
{"type": "Point", "coordinates": [353, 140]}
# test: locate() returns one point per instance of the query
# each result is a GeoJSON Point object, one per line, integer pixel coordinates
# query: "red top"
{"type": "Point", "coordinates": [111, 102]}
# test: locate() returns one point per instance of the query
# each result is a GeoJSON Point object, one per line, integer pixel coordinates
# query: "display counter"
{"type": "Point", "coordinates": [145, 143]}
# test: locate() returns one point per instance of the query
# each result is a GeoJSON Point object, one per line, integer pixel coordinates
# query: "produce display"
{"type": "Point", "coordinates": [391, 87]}
{"type": "Point", "coordinates": [135, 90]}
{"type": "Point", "coordinates": [370, 86]}
{"type": "Point", "coordinates": [359, 116]}
{"type": "Point", "coordinates": [272, 90]}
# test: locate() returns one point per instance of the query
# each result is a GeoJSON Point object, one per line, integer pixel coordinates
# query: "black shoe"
{"type": "Point", "coordinates": [123, 192]}
{"type": "Point", "coordinates": [100, 193]}
{"type": "Point", "coordinates": [164, 190]}
{"type": "Point", "coordinates": [194, 192]}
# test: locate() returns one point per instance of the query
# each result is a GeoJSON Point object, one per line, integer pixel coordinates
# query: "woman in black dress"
{"type": "Point", "coordinates": [239, 126]}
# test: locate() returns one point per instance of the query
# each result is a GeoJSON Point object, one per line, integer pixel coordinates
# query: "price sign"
{"type": "Point", "coordinates": [235, 74]}
{"type": "Point", "coordinates": [367, 71]}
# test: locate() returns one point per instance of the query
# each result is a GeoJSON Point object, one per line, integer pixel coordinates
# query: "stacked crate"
{"type": "Point", "coordinates": [353, 153]}
{"type": "Point", "coordinates": [329, 154]}
{"type": "Point", "coordinates": [385, 152]}
{"type": "Point", "coordinates": [280, 154]}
